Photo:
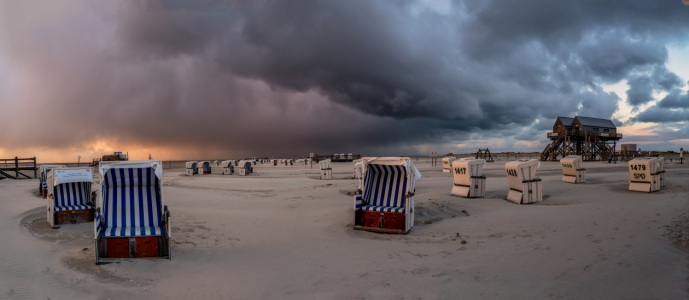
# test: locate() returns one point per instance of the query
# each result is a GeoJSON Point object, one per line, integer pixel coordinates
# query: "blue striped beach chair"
{"type": "Point", "coordinates": [386, 203]}
{"type": "Point", "coordinates": [131, 218]}
{"type": "Point", "coordinates": [69, 196]}
{"type": "Point", "coordinates": [42, 178]}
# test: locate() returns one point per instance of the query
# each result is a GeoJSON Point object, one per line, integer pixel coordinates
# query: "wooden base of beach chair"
{"type": "Point", "coordinates": [326, 174]}
{"type": "Point", "coordinates": [148, 247]}
{"type": "Point", "coordinates": [117, 248]}
{"type": "Point", "coordinates": [579, 178]}
{"type": "Point", "coordinates": [380, 221]}
{"type": "Point", "coordinates": [532, 192]}
{"type": "Point", "coordinates": [74, 216]}
{"type": "Point", "coordinates": [642, 187]}
{"type": "Point", "coordinates": [133, 247]}
{"type": "Point", "coordinates": [477, 189]}
{"type": "Point", "coordinates": [206, 172]}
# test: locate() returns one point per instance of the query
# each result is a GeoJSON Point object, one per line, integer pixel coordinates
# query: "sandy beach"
{"type": "Point", "coordinates": [281, 233]}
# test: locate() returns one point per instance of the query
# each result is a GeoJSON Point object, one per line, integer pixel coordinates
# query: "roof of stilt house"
{"type": "Point", "coordinates": [588, 121]}
{"type": "Point", "coordinates": [595, 122]}
{"type": "Point", "coordinates": [566, 121]}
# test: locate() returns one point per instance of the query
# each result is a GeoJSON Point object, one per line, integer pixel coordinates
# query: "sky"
{"type": "Point", "coordinates": [214, 79]}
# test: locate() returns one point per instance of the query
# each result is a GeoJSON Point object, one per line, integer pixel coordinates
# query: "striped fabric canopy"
{"type": "Point", "coordinates": [72, 196]}
{"type": "Point", "coordinates": [43, 174]}
{"type": "Point", "coordinates": [204, 165]}
{"type": "Point", "coordinates": [132, 202]}
{"type": "Point", "coordinates": [385, 188]}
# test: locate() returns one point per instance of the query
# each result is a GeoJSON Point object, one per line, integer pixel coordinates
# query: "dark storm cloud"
{"type": "Point", "coordinates": [674, 107]}
{"type": "Point", "coordinates": [663, 115]}
{"type": "Point", "coordinates": [642, 86]}
{"type": "Point", "coordinates": [675, 99]}
{"type": "Point", "coordinates": [299, 75]}
{"type": "Point", "coordinates": [640, 90]}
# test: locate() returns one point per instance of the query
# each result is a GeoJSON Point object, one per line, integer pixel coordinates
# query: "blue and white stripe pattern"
{"type": "Point", "coordinates": [97, 222]}
{"type": "Point", "coordinates": [72, 196]}
{"type": "Point", "coordinates": [44, 180]}
{"type": "Point", "coordinates": [358, 202]}
{"type": "Point", "coordinates": [43, 177]}
{"type": "Point", "coordinates": [131, 202]}
{"type": "Point", "coordinates": [385, 188]}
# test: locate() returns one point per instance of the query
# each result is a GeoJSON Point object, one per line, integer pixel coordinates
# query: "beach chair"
{"type": "Point", "coordinates": [42, 178]}
{"type": "Point", "coordinates": [191, 168]}
{"type": "Point", "coordinates": [204, 167]}
{"type": "Point", "coordinates": [69, 196]}
{"type": "Point", "coordinates": [231, 164]}
{"type": "Point", "coordinates": [386, 203]}
{"type": "Point", "coordinates": [525, 188]}
{"type": "Point", "coordinates": [244, 168]}
{"type": "Point", "coordinates": [447, 164]}
{"type": "Point", "coordinates": [132, 219]}
{"type": "Point", "coordinates": [644, 174]}
{"type": "Point", "coordinates": [216, 167]}
{"type": "Point", "coordinates": [326, 170]}
{"type": "Point", "coordinates": [572, 171]}
{"type": "Point", "coordinates": [468, 179]}
{"type": "Point", "coordinates": [226, 167]}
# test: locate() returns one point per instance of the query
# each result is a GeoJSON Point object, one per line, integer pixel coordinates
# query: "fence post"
{"type": "Point", "coordinates": [16, 167]}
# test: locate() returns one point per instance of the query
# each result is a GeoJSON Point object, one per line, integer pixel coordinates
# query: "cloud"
{"type": "Point", "coordinates": [271, 76]}
{"type": "Point", "coordinates": [675, 99]}
{"type": "Point", "coordinates": [643, 85]}
{"type": "Point", "coordinates": [640, 91]}
{"type": "Point", "coordinates": [663, 115]}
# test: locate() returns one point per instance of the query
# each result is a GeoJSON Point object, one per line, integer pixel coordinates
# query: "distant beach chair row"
{"type": "Point", "coordinates": [130, 217]}
{"type": "Point", "coordinates": [225, 167]}
{"type": "Point", "coordinates": [289, 161]}
{"type": "Point", "coordinates": [385, 196]}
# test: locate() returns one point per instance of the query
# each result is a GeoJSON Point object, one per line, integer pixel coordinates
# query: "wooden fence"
{"type": "Point", "coordinates": [13, 167]}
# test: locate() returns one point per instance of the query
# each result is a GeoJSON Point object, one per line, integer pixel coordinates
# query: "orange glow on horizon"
{"type": "Point", "coordinates": [98, 148]}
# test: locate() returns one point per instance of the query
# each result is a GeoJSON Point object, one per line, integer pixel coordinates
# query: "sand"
{"type": "Point", "coordinates": [282, 233]}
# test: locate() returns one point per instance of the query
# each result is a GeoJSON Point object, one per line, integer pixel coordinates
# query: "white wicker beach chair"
{"type": "Point", "coordinates": [468, 179]}
{"type": "Point", "coordinates": [524, 187]}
